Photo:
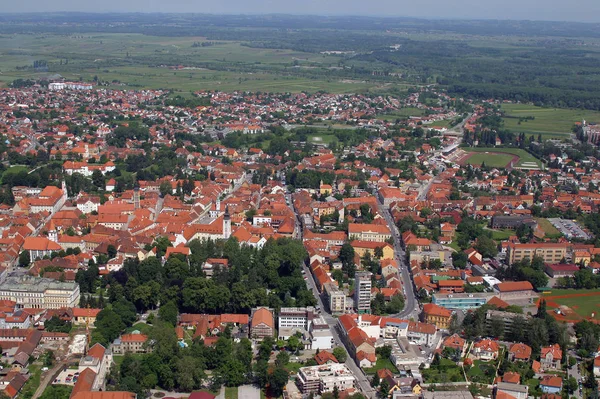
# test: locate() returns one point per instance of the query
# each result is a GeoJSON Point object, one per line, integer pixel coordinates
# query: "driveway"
{"type": "Point", "coordinates": [248, 392]}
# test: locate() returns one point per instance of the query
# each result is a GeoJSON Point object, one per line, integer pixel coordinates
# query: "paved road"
{"type": "Point", "coordinates": [411, 306]}
{"type": "Point", "coordinates": [248, 392]}
{"type": "Point", "coordinates": [575, 372]}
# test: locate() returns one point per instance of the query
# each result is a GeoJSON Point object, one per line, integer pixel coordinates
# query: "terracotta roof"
{"type": "Point", "coordinates": [436, 310]}
{"type": "Point", "coordinates": [105, 395]}
{"type": "Point", "coordinates": [511, 377]}
{"type": "Point", "coordinates": [85, 382]}
{"type": "Point", "coordinates": [551, 381]}
{"type": "Point", "coordinates": [514, 286]}
{"type": "Point", "coordinates": [520, 351]}
{"type": "Point", "coordinates": [262, 315]}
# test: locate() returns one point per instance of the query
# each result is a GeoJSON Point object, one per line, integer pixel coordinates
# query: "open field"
{"type": "Point", "coordinates": [402, 113]}
{"type": "Point", "coordinates": [382, 364]}
{"type": "Point", "coordinates": [500, 157]}
{"type": "Point", "coordinates": [575, 305]}
{"type": "Point", "coordinates": [142, 61]}
{"type": "Point", "coordinates": [550, 122]}
{"type": "Point", "coordinates": [548, 228]}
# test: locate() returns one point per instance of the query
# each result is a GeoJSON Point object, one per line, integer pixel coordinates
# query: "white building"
{"type": "Point", "coordinates": [321, 379]}
{"type": "Point", "coordinates": [39, 292]}
{"type": "Point", "coordinates": [362, 292]}
{"type": "Point", "coordinates": [320, 335]}
{"type": "Point", "coordinates": [296, 317]}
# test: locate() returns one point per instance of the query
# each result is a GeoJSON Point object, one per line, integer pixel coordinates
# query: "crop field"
{"type": "Point", "coordinates": [550, 122]}
{"type": "Point", "coordinates": [574, 305]}
{"type": "Point", "coordinates": [141, 61]}
{"type": "Point", "coordinates": [500, 157]}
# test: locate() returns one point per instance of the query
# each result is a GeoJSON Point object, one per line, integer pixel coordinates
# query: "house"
{"type": "Point", "coordinates": [85, 316]}
{"type": "Point", "coordinates": [511, 377]}
{"type": "Point", "coordinates": [362, 247]}
{"type": "Point", "coordinates": [325, 357]}
{"type": "Point", "coordinates": [485, 349]}
{"type": "Point", "coordinates": [550, 357]}
{"type": "Point", "coordinates": [262, 323]}
{"type": "Point", "coordinates": [133, 343]}
{"type": "Point", "coordinates": [38, 247]}
{"type": "Point", "coordinates": [519, 352]}
{"type": "Point", "coordinates": [551, 384]}
{"type": "Point", "coordinates": [421, 333]}
{"type": "Point", "coordinates": [456, 342]}
{"type": "Point", "coordinates": [435, 314]}
{"type": "Point", "coordinates": [597, 366]}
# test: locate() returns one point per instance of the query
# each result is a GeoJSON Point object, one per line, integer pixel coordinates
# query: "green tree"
{"type": "Point", "coordinates": [168, 313]}
{"type": "Point", "coordinates": [24, 259]}
{"type": "Point", "coordinates": [340, 354]}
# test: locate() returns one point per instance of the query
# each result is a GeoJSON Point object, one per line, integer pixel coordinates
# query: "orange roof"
{"type": "Point", "coordinates": [355, 228]}
{"type": "Point", "coordinates": [514, 286]}
{"type": "Point", "coordinates": [104, 395]}
{"type": "Point", "coordinates": [551, 381]}
{"type": "Point", "coordinates": [263, 315]}
{"type": "Point", "coordinates": [499, 303]}
{"type": "Point", "coordinates": [85, 312]}
{"type": "Point", "coordinates": [40, 244]}
{"type": "Point", "coordinates": [134, 338]}
{"type": "Point", "coordinates": [511, 377]}
{"type": "Point", "coordinates": [97, 351]}
{"type": "Point", "coordinates": [85, 382]}
{"type": "Point", "coordinates": [520, 351]}
{"type": "Point", "coordinates": [436, 310]}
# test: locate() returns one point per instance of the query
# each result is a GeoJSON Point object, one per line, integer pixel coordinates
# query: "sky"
{"type": "Point", "coordinates": [548, 10]}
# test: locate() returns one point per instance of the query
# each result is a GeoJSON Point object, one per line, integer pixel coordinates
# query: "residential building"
{"type": "Point", "coordinates": [597, 366]}
{"type": "Point", "coordinates": [335, 297]}
{"type": "Point", "coordinates": [519, 352]}
{"type": "Point", "coordinates": [362, 247]}
{"type": "Point", "coordinates": [485, 349]}
{"type": "Point", "coordinates": [456, 342]}
{"type": "Point", "coordinates": [362, 292]}
{"type": "Point", "coordinates": [421, 333]}
{"type": "Point", "coordinates": [550, 252]}
{"type": "Point", "coordinates": [38, 292]}
{"type": "Point", "coordinates": [369, 232]}
{"type": "Point", "coordinates": [437, 315]}
{"type": "Point", "coordinates": [321, 379]}
{"type": "Point", "coordinates": [296, 317]}
{"type": "Point", "coordinates": [511, 389]}
{"type": "Point", "coordinates": [262, 324]}
{"type": "Point", "coordinates": [551, 384]}
{"type": "Point", "coordinates": [507, 318]}
{"type": "Point", "coordinates": [320, 334]}
{"type": "Point", "coordinates": [130, 343]}
{"type": "Point", "coordinates": [550, 357]}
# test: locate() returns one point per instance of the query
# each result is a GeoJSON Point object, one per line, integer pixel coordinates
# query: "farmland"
{"type": "Point", "coordinates": [550, 122]}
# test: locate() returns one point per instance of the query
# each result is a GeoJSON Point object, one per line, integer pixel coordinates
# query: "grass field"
{"type": "Point", "coordinates": [494, 160]}
{"type": "Point", "coordinates": [447, 371]}
{"type": "Point", "coordinates": [495, 156]}
{"type": "Point", "coordinates": [142, 61]}
{"type": "Point", "coordinates": [482, 372]}
{"type": "Point", "coordinates": [402, 113]}
{"type": "Point", "coordinates": [574, 304]}
{"type": "Point", "coordinates": [550, 122]}
{"type": "Point", "coordinates": [231, 392]}
{"type": "Point", "coordinates": [501, 234]}
{"type": "Point", "coordinates": [382, 364]}
{"type": "Point", "coordinates": [322, 138]}
{"type": "Point", "coordinates": [548, 228]}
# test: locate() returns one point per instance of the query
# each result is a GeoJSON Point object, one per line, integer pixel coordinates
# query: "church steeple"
{"type": "Point", "coordinates": [226, 223]}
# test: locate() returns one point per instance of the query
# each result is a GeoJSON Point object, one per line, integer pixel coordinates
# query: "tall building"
{"type": "Point", "coordinates": [362, 292]}
{"type": "Point", "coordinates": [320, 379]}
{"type": "Point", "coordinates": [136, 196]}
{"type": "Point", "coordinates": [336, 298]}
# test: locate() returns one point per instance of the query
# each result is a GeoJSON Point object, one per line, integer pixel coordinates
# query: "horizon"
{"type": "Point", "coordinates": [583, 11]}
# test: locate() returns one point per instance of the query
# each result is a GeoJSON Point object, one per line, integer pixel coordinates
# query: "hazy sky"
{"type": "Point", "coordinates": [555, 10]}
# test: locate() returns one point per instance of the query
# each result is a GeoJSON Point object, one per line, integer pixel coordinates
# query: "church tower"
{"type": "Point", "coordinates": [226, 224]}
{"type": "Point", "coordinates": [136, 196]}
{"type": "Point", "coordinates": [52, 233]}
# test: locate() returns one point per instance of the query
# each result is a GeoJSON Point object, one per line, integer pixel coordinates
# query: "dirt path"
{"type": "Point", "coordinates": [49, 377]}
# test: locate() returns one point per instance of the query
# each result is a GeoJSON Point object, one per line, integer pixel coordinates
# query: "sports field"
{"type": "Point", "coordinates": [550, 122]}
{"type": "Point", "coordinates": [501, 157]}
{"type": "Point", "coordinates": [574, 305]}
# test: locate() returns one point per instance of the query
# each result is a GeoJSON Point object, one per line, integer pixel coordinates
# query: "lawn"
{"type": "Point", "coordinates": [293, 367]}
{"type": "Point", "coordinates": [401, 114]}
{"type": "Point", "coordinates": [524, 156]}
{"type": "Point", "coordinates": [143, 328]}
{"type": "Point", "coordinates": [482, 372]}
{"type": "Point", "coordinates": [231, 392]}
{"type": "Point", "coordinates": [501, 234]}
{"type": "Point", "coordinates": [382, 364]}
{"type": "Point", "coordinates": [322, 138]}
{"type": "Point", "coordinates": [32, 383]}
{"type": "Point", "coordinates": [548, 228]}
{"type": "Point", "coordinates": [118, 359]}
{"type": "Point", "coordinates": [550, 122]}
{"type": "Point", "coordinates": [492, 160]}
{"type": "Point", "coordinates": [584, 303]}
{"type": "Point", "coordinates": [446, 371]}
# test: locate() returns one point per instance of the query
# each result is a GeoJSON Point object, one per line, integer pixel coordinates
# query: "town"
{"type": "Point", "coordinates": [249, 245]}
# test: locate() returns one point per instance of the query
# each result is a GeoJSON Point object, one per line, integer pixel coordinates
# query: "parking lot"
{"type": "Point", "coordinates": [569, 228]}
{"type": "Point", "coordinates": [67, 376]}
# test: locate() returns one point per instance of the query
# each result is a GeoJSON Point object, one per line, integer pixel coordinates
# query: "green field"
{"type": "Point", "coordinates": [382, 364]}
{"type": "Point", "coordinates": [497, 157]}
{"type": "Point", "coordinates": [446, 371]}
{"type": "Point", "coordinates": [482, 372]}
{"type": "Point", "coordinates": [548, 228]}
{"type": "Point", "coordinates": [582, 306]}
{"type": "Point", "coordinates": [492, 160]}
{"type": "Point", "coordinates": [402, 114]}
{"type": "Point", "coordinates": [501, 234]}
{"type": "Point", "coordinates": [550, 122]}
{"type": "Point", "coordinates": [143, 61]}
{"type": "Point", "coordinates": [231, 392]}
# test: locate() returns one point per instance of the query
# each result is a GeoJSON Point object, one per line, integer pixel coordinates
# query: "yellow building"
{"type": "Point", "coordinates": [435, 314]}
{"type": "Point", "coordinates": [362, 247]}
{"type": "Point", "coordinates": [549, 252]}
